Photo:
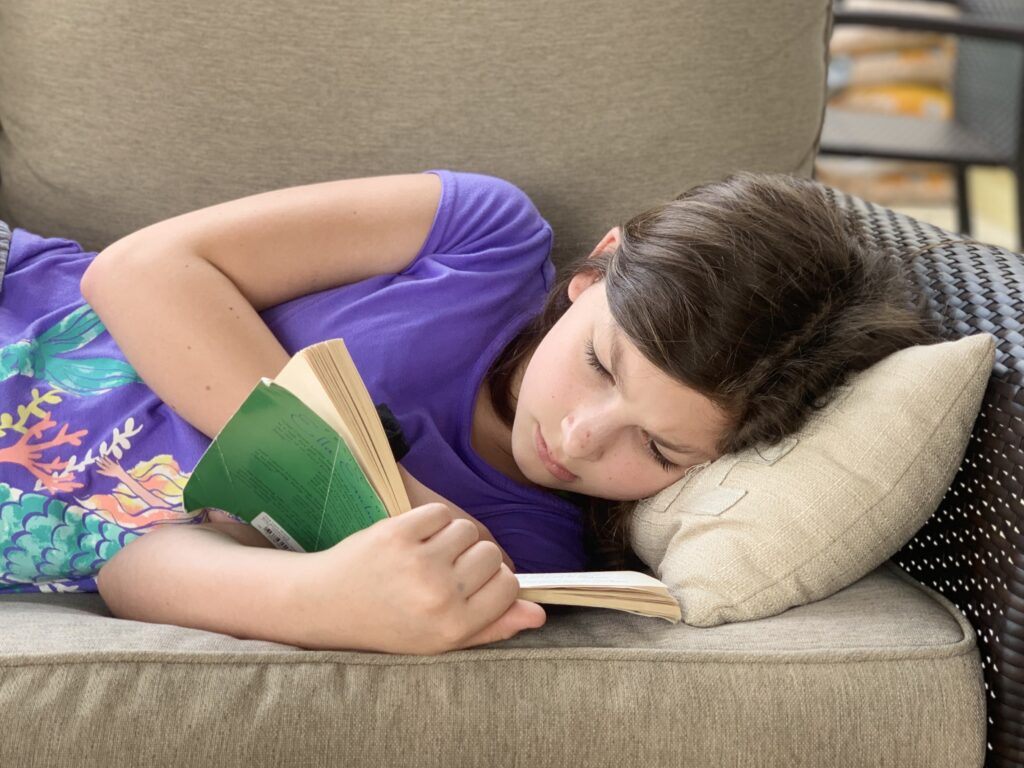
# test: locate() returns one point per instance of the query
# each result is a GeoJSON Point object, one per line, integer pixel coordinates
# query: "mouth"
{"type": "Point", "coordinates": [552, 466]}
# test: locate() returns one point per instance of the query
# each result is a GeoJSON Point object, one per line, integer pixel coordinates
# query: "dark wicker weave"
{"type": "Point", "coordinates": [972, 549]}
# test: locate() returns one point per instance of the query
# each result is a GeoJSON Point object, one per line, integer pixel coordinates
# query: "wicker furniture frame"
{"type": "Point", "coordinates": [972, 548]}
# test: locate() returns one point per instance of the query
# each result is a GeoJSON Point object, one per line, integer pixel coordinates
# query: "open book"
{"type": "Point", "coordinates": [306, 461]}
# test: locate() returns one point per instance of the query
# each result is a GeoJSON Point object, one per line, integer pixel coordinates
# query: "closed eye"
{"type": "Point", "coordinates": [667, 465]}
{"type": "Point", "coordinates": [595, 363]}
{"type": "Point", "coordinates": [652, 448]}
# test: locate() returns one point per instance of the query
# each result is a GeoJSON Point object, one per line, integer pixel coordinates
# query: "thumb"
{"type": "Point", "coordinates": [522, 614]}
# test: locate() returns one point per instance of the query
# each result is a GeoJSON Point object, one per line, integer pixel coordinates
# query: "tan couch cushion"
{"type": "Point", "coordinates": [885, 672]}
{"type": "Point", "coordinates": [116, 116]}
{"type": "Point", "coordinates": [769, 528]}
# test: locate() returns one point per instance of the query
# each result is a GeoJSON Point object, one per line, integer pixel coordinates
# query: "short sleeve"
{"type": "Point", "coordinates": [481, 222]}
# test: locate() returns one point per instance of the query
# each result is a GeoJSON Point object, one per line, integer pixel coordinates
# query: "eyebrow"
{"type": "Point", "coordinates": [616, 355]}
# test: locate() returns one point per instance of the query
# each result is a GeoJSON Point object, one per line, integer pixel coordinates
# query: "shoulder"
{"type": "Point", "coordinates": [481, 185]}
{"type": "Point", "coordinates": [478, 203]}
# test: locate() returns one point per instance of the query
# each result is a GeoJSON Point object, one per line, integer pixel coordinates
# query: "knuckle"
{"type": "Point", "coordinates": [431, 509]}
{"type": "Point", "coordinates": [438, 506]}
{"type": "Point", "coordinates": [387, 534]}
{"type": "Point", "coordinates": [465, 526]}
{"type": "Point", "coordinates": [507, 583]}
{"type": "Point", "coordinates": [491, 551]}
{"type": "Point", "coordinates": [513, 584]}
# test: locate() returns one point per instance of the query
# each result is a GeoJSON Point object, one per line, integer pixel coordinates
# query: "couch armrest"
{"type": "Point", "coordinates": [972, 548]}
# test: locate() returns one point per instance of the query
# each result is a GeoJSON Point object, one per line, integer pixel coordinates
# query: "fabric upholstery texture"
{"type": "Point", "coordinates": [116, 117]}
{"type": "Point", "coordinates": [882, 668]}
{"type": "Point", "coordinates": [760, 531]}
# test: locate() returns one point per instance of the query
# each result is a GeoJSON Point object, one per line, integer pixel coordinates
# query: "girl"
{"type": "Point", "coordinates": [537, 411]}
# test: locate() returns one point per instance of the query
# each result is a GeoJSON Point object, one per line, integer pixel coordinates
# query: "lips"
{"type": "Point", "coordinates": [556, 469]}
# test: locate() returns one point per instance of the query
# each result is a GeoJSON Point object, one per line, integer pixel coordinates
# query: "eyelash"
{"type": "Point", "coordinates": [652, 449]}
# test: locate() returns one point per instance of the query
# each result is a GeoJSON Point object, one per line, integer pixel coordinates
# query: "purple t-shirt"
{"type": "Point", "coordinates": [91, 458]}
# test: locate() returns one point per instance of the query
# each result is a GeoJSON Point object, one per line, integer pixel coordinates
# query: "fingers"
{"type": "Point", "coordinates": [490, 602]}
{"type": "Point", "coordinates": [522, 614]}
{"type": "Point", "coordinates": [472, 561]}
{"type": "Point", "coordinates": [480, 580]}
{"type": "Point", "coordinates": [488, 588]}
{"type": "Point", "coordinates": [476, 567]}
{"type": "Point", "coordinates": [424, 521]}
{"type": "Point", "coordinates": [453, 539]}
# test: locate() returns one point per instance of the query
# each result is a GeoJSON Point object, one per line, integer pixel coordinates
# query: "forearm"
{"type": "Point", "coordinates": [199, 576]}
{"type": "Point", "coordinates": [184, 326]}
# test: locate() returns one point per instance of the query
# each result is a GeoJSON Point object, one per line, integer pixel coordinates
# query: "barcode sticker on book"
{"type": "Point", "coordinates": [274, 533]}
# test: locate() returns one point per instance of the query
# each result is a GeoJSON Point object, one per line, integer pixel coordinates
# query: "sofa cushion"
{"type": "Point", "coordinates": [114, 117]}
{"type": "Point", "coordinates": [765, 529]}
{"type": "Point", "coordinates": [884, 672]}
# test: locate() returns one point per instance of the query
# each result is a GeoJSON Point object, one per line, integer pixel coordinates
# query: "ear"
{"type": "Point", "coordinates": [584, 280]}
{"type": "Point", "coordinates": [608, 243]}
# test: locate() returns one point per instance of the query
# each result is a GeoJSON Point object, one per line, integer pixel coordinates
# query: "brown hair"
{"type": "Point", "coordinates": [758, 292]}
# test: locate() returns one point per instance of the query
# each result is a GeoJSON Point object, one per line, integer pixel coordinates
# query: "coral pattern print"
{"type": "Point", "coordinates": [78, 478]}
{"type": "Point", "coordinates": [47, 537]}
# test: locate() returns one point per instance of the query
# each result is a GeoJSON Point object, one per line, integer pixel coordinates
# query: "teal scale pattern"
{"type": "Point", "coordinates": [48, 539]}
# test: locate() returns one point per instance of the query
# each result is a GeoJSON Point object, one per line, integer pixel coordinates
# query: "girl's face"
{"type": "Point", "coordinates": [601, 425]}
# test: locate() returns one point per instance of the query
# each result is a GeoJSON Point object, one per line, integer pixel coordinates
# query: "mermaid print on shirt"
{"type": "Point", "coordinates": [39, 358]}
{"type": "Point", "coordinates": [74, 509]}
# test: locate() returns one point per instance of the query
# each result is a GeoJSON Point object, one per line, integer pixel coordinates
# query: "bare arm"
{"type": "Point", "coordinates": [181, 298]}
{"type": "Point", "coordinates": [203, 576]}
{"type": "Point", "coordinates": [421, 583]}
{"type": "Point", "coordinates": [195, 284]}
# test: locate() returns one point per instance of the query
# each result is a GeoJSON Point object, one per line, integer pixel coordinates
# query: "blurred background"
{"type": "Point", "coordinates": [914, 110]}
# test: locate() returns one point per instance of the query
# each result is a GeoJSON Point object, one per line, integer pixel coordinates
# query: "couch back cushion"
{"type": "Point", "coordinates": [115, 115]}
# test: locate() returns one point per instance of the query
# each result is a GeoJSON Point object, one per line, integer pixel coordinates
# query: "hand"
{"type": "Point", "coordinates": [419, 494]}
{"type": "Point", "coordinates": [420, 583]}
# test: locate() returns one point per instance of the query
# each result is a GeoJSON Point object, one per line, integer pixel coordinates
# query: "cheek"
{"type": "Point", "coordinates": [551, 382]}
{"type": "Point", "coordinates": [626, 474]}
{"type": "Point", "coordinates": [535, 402]}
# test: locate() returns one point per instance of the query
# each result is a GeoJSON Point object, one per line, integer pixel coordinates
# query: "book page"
{"type": "Point", "coordinates": [300, 378]}
{"type": "Point", "coordinates": [324, 376]}
{"type": "Point", "coordinates": [340, 377]}
{"type": "Point", "coordinates": [595, 579]}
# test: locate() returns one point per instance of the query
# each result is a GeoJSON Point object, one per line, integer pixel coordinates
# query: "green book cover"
{"type": "Point", "coordinates": [282, 468]}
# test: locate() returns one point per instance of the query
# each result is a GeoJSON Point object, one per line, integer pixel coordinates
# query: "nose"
{"type": "Point", "coordinates": [585, 432]}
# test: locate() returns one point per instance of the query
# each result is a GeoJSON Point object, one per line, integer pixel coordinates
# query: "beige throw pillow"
{"type": "Point", "coordinates": [766, 529]}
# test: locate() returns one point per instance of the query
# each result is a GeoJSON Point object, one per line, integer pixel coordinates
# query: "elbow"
{"type": "Point", "coordinates": [92, 279]}
{"type": "Point", "coordinates": [107, 585]}
{"type": "Point", "coordinates": [121, 267]}
{"type": "Point", "coordinates": [103, 588]}
{"type": "Point", "coordinates": [87, 285]}
{"type": "Point", "coordinates": [113, 585]}
{"type": "Point", "coordinates": [112, 261]}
